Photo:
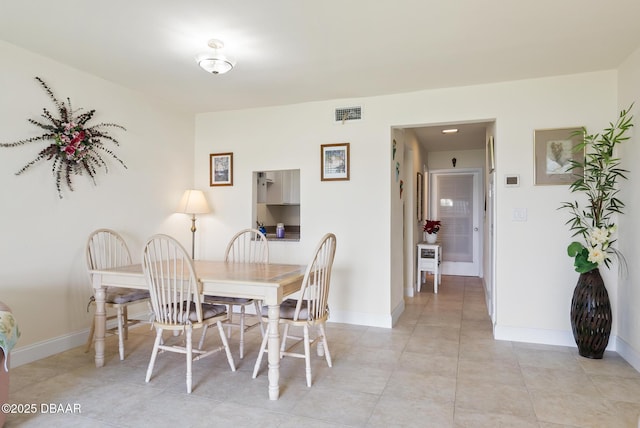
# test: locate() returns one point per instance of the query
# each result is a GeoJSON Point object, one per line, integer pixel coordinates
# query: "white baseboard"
{"type": "Point", "coordinates": [37, 351]}
{"type": "Point", "coordinates": [359, 318]}
{"type": "Point", "coordinates": [395, 314]}
{"type": "Point", "coordinates": [541, 336]}
{"type": "Point", "coordinates": [626, 351]}
{"type": "Point", "coordinates": [46, 348]}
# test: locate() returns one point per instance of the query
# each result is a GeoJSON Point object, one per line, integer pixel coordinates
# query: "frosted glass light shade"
{"type": "Point", "coordinates": [217, 65]}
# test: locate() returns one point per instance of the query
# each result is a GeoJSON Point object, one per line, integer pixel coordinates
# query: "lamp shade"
{"type": "Point", "coordinates": [193, 202]}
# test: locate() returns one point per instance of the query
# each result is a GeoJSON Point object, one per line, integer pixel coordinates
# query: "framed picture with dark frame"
{"type": "Point", "coordinates": [334, 162]}
{"type": "Point", "coordinates": [221, 169]}
{"type": "Point", "coordinates": [553, 151]}
{"type": "Point", "coordinates": [420, 196]}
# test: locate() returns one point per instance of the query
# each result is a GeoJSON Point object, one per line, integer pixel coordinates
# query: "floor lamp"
{"type": "Point", "coordinates": [193, 202]}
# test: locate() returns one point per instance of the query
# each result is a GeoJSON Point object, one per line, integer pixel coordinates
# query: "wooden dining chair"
{"type": "Point", "coordinates": [106, 249]}
{"type": "Point", "coordinates": [176, 298]}
{"type": "Point", "coordinates": [311, 310]}
{"type": "Point", "coordinates": [246, 246]}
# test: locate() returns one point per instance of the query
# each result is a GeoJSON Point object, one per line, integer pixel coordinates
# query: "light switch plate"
{"type": "Point", "coordinates": [519, 214]}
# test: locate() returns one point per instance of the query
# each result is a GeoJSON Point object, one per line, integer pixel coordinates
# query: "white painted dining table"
{"type": "Point", "coordinates": [271, 283]}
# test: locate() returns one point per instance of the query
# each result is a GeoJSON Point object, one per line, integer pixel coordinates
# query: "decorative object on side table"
{"type": "Point", "coordinates": [431, 228]}
{"type": "Point", "coordinates": [591, 318]}
{"type": "Point", "coordinates": [76, 148]}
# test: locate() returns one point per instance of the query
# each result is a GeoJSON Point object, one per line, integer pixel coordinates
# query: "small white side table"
{"type": "Point", "coordinates": [429, 258]}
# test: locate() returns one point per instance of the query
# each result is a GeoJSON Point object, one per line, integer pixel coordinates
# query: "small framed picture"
{"type": "Point", "coordinates": [554, 149]}
{"type": "Point", "coordinates": [334, 162]}
{"type": "Point", "coordinates": [221, 169]}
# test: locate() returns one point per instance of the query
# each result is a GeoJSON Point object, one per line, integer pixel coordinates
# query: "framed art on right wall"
{"type": "Point", "coordinates": [554, 149]}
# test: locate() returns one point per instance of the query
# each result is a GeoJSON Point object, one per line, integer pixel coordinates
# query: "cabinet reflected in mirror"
{"type": "Point", "coordinates": [276, 199]}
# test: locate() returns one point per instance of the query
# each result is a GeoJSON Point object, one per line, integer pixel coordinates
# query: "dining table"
{"type": "Point", "coordinates": [271, 283]}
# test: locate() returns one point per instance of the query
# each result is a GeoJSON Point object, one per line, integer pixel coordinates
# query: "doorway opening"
{"type": "Point", "coordinates": [449, 154]}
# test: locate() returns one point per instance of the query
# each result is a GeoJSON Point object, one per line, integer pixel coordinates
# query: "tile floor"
{"type": "Point", "coordinates": [439, 367]}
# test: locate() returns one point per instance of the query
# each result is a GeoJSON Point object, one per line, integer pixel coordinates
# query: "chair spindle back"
{"type": "Point", "coordinates": [173, 285]}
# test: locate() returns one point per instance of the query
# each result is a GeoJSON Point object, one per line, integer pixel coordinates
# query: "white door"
{"type": "Point", "coordinates": [455, 201]}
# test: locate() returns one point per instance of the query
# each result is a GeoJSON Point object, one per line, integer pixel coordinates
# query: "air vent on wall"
{"type": "Point", "coordinates": [347, 114]}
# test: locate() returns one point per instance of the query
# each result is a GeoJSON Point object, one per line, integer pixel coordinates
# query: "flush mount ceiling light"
{"type": "Point", "coordinates": [450, 131]}
{"type": "Point", "coordinates": [215, 61]}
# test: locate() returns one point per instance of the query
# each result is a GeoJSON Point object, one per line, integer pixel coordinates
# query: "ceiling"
{"type": "Point", "coordinates": [293, 51]}
{"type": "Point", "coordinates": [470, 136]}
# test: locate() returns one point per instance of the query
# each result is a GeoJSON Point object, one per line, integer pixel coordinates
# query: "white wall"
{"type": "Point", "coordinates": [628, 316]}
{"type": "Point", "coordinates": [534, 276]}
{"type": "Point", "coordinates": [357, 211]}
{"type": "Point", "coordinates": [43, 276]}
{"type": "Point", "coordinates": [464, 159]}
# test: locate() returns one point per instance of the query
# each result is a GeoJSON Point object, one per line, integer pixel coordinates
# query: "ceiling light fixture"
{"type": "Point", "coordinates": [215, 62]}
{"type": "Point", "coordinates": [450, 131]}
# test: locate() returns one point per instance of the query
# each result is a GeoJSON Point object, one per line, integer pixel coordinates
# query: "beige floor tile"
{"type": "Point", "coordinates": [618, 388]}
{"type": "Point", "coordinates": [397, 412]}
{"type": "Point", "coordinates": [439, 366]}
{"type": "Point", "coordinates": [384, 338]}
{"type": "Point", "coordinates": [548, 359]}
{"type": "Point", "coordinates": [610, 365]}
{"type": "Point", "coordinates": [419, 363]}
{"type": "Point", "coordinates": [493, 398]}
{"type": "Point", "coordinates": [412, 386]}
{"type": "Point", "coordinates": [469, 419]}
{"type": "Point", "coordinates": [543, 379]}
{"type": "Point", "coordinates": [488, 350]}
{"type": "Point", "coordinates": [382, 358]}
{"type": "Point", "coordinates": [481, 371]}
{"type": "Point", "coordinates": [588, 410]}
{"type": "Point", "coordinates": [356, 378]}
{"type": "Point", "coordinates": [447, 347]}
{"type": "Point", "coordinates": [336, 406]}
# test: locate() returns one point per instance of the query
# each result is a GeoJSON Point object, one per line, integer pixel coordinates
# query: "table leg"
{"type": "Point", "coordinates": [100, 320]}
{"type": "Point", "coordinates": [273, 346]}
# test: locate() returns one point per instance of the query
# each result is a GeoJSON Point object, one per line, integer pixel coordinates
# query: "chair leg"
{"type": "Point", "coordinates": [225, 343]}
{"type": "Point", "coordinates": [256, 304]}
{"type": "Point", "coordinates": [125, 320]}
{"type": "Point", "coordinates": [154, 353]}
{"type": "Point", "coordinates": [204, 333]}
{"type": "Point", "coordinates": [263, 347]}
{"type": "Point", "coordinates": [283, 345]}
{"type": "Point", "coordinates": [327, 354]}
{"type": "Point", "coordinates": [189, 354]}
{"type": "Point", "coordinates": [121, 331]}
{"type": "Point", "coordinates": [230, 320]}
{"type": "Point", "coordinates": [242, 331]}
{"type": "Point", "coordinates": [91, 333]}
{"type": "Point", "coordinates": [307, 355]}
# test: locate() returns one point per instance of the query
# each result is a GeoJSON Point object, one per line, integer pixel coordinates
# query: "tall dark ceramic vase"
{"type": "Point", "coordinates": [591, 315]}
